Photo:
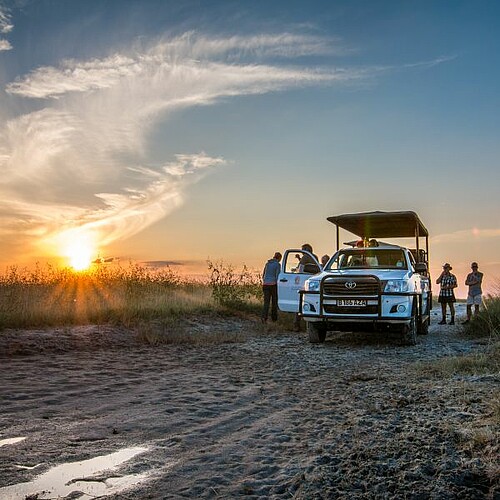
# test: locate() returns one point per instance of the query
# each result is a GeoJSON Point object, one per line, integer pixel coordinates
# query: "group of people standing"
{"type": "Point", "coordinates": [448, 283]}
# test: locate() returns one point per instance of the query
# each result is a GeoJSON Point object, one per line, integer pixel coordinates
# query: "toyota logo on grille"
{"type": "Point", "coordinates": [350, 284]}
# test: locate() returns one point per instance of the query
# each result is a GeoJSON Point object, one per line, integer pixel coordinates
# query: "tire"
{"type": "Point", "coordinates": [423, 328]}
{"type": "Point", "coordinates": [410, 332]}
{"type": "Point", "coordinates": [317, 332]}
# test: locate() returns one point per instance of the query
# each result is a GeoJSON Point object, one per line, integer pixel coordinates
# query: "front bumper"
{"type": "Point", "coordinates": [346, 306]}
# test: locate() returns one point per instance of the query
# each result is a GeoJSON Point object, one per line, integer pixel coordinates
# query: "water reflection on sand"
{"type": "Point", "coordinates": [80, 478]}
{"type": "Point", "coordinates": [5, 442]}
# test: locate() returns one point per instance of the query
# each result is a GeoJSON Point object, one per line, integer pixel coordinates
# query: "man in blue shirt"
{"type": "Point", "coordinates": [270, 275]}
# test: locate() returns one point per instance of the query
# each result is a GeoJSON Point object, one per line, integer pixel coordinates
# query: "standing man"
{"type": "Point", "coordinates": [305, 259]}
{"type": "Point", "coordinates": [474, 298]}
{"type": "Point", "coordinates": [270, 275]}
{"type": "Point", "coordinates": [448, 282]}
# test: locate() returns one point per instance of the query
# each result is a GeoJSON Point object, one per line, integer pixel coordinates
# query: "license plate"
{"type": "Point", "coordinates": [351, 303]}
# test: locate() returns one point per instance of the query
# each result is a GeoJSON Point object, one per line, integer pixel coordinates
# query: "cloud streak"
{"type": "Point", "coordinates": [189, 57]}
{"type": "Point", "coordinates": [466, 235]}
{"type": "Point", "coordinates": [5, 27]}
{"type": "Point", "coordinates": [80, 163]}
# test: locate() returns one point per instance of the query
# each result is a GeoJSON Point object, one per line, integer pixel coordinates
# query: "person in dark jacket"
{"type": "Point", "coordinates": [270, 275]}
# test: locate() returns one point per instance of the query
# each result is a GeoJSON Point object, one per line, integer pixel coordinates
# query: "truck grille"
{"type": "Point", "coordinates": [363, 286]}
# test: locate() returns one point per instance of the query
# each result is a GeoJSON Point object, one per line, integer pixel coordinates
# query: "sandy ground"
{"type": "Point", "coordinates": [269, 417]}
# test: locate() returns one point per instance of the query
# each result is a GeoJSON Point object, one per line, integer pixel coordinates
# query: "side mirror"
{"type": "Point", "coordinates": [421, 268]}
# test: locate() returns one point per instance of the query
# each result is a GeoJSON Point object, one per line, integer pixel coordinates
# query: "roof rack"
{"type": "Point", "coordinates": [366, 225]}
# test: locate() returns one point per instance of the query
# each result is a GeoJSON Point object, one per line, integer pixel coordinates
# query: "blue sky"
{"type": "Point", "coordinates": [186, 130]}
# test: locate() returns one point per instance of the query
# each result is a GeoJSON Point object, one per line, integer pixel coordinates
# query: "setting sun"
{"type": "Point", "coordinates": [80, 258]}
{"type": "Point", "coordinates": [78, 249]}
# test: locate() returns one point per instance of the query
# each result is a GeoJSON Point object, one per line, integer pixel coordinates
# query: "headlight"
{"type": "Point", "coordinates": [397, 286]}
{"type": "Point", "coordinates": [311, 286]}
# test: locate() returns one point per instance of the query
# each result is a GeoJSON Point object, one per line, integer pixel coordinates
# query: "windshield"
{"type": "Point", "coordinates": [369, 258]}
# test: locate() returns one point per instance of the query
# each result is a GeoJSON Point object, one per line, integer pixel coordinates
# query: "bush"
{"type": "Point", "coordinates": [233, 289]}
{"type": "Point", "coordinates": [487, 322]}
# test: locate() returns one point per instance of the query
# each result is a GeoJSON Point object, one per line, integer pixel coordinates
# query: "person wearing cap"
{"type": "Point", "coordinates": [474, 281]}
{"type": "Point", "coordinates": [270, 275]}
{"type": "Point", "coordinates": [448, 282]}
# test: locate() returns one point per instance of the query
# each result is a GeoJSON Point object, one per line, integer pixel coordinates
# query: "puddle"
{"type": "Point", "coordinates": [79, 478]}
{"type": "Point", "coordinates": [28, 467]}
{"type": "Point", "coordinates": [5, 442]}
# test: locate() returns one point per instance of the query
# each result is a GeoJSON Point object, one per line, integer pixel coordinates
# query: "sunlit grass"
{"type": "Point", "coordinates": [484, 363]}
{"type": "Point", "coordinates": [48, 296]}
{"type": "Point", "coordinates": [487, 322]}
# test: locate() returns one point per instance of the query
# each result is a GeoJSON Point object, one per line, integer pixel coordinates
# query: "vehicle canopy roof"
{"type": "Point", "coordinates": [381, 224]}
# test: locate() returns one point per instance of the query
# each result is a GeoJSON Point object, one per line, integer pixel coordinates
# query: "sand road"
{"type": "Point", "coordinates": [270, 417]}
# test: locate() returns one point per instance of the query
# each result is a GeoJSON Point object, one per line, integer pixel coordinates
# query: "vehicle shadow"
{"type": "Point", "coordinates": [366, 338]}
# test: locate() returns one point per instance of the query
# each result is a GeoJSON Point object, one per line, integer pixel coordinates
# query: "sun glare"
{"type": "Point", "coordinates": [79, 252]}
{"type": "Point", "coordinates": [80, 259]}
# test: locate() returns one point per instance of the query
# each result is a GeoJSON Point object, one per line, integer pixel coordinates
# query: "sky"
{"type": "Point", "coordinates": [180, 131]}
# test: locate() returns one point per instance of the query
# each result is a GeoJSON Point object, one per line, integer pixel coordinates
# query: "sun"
{"type": "Point", "coordinates": [79, 251]}
{"type": "Point", "coordinates": [80, 258]}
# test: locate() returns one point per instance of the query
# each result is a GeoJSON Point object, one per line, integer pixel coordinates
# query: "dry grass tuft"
{"type": "Point", "coordinates": [486, 363]}
{"type": "Point", "coordinates": [154, 335]}
{"type": "Point", "coordinates": [487, 322]}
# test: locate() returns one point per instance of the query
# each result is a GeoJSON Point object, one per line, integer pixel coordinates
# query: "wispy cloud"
{"type": "Point", "coordinates": [191, 58]}
{"type": "Point", "coordinates": [124, 214]}
{"type": "Point", "coordinates": [80, 164]}
{"type": "Point", "coordinates": [466, 235]}
{"type": "Point", "coordinates": [431, 63]}
{"type": "Point", "coordinates": [5, 24]}
{"type": "Point", "coordinates": [5, 45]}
{"type": "Point", "coordinates": [5, 27]}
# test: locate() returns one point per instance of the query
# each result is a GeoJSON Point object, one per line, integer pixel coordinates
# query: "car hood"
{"type": "Point", "coordinates": [381, 274]}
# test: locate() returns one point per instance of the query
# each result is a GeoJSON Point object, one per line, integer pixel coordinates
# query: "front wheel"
{"type": "Point", "coordinates": [316, 331]}
{"type": "Point", "coordinates": [410, 332]}
{"type": "Point", "coordinates": [424, 327]}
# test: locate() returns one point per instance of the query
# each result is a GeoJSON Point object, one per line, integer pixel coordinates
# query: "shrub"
{"type": "Point", "coordinates": [487, 322]}
{"type": "Point", "coordinates": [231, 288]}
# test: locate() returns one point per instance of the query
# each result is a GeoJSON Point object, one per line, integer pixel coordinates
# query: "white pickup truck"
{"type": "Point", "coordinates": [368, 283]}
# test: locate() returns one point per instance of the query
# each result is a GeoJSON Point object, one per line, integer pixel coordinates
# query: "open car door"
{"type": "Point", "coordinates": [296, 267]}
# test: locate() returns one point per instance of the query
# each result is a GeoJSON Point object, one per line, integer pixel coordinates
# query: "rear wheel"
{"type": "Point", "coordinates": [316, 331]}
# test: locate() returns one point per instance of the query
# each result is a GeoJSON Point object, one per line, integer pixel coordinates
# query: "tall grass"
{"type": "Point", "coordinates": [48, 296]}
{"type": "Point", "coordinates": [487, 322]}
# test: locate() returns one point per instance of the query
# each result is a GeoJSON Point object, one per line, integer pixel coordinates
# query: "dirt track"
{"type": "Point", "coordinates": [273, 416]}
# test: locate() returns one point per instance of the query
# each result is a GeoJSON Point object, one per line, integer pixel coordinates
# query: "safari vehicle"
{"type": "Point", "coordinates": [368, 283]}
